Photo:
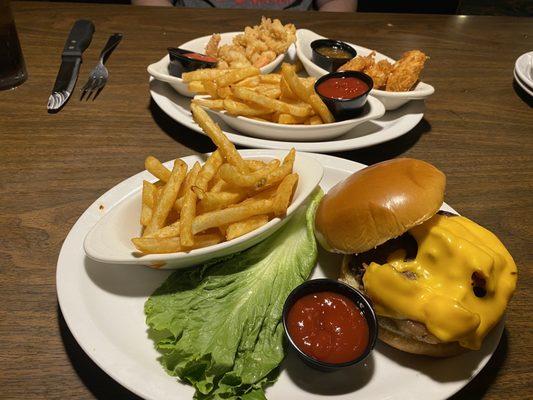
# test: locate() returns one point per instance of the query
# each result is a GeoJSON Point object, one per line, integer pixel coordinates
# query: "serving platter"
{"type": "Point", "coordinates": [103, 307]}
{"type": "Point", "coordinates": [392, 125]}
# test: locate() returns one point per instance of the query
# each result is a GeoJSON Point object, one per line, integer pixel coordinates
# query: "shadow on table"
{"type": "Point", "coordinates": [525, 97]}
{"type": "Point", "coordinates": [391, 149]}
{"type": "Point", "coordinates": [180, 133]}
{"type": "Point", "coordinates": [101, 385]}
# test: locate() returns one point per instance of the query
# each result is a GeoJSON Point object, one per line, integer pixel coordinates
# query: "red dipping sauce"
{"type": "Point", "coordinates": [342, 88]}
{"type": "Point", "coordinates": [329, 327]}
{"type": "Point", "coordinates": [200, 57]}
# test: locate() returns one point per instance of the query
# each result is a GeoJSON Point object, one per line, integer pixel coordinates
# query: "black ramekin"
{"type": "Point", "coordinates": [345, 108]}
{"type": "Point", "coordinates": [180, 64]}
{"type": "Point", "coordinates": [330, 285]}
{"type": "Point", "coordinates": [331, 64]}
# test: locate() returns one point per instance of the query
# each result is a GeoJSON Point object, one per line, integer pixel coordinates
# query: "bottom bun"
{"type": "Point", "coordinates": [399, 333]}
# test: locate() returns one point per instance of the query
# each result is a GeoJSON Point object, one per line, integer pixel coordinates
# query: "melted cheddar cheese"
{"type": "Point", "coordinates": [451, 252]}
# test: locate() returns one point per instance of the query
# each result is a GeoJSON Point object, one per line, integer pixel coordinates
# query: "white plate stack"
{"type": "Point", "coordinates": [523, 72]}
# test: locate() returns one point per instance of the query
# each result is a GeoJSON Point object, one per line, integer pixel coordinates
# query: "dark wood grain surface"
{"type": "Point", "coordinates": [477, 129]}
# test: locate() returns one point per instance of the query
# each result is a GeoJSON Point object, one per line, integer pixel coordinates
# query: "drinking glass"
{"type": "Point", "coordinates": [12, 66]}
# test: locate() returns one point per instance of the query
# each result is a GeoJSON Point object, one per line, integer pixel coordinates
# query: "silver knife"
{"type": "Point", "coordinates": [78, 40]}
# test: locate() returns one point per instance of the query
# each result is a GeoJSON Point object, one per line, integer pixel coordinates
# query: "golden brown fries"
{"type": "Point", "coordinates": [283, 98]}
{"type": "Point", "coordinates": [222, 199]}
{"type": "Point", "coordinates": [154, 166]}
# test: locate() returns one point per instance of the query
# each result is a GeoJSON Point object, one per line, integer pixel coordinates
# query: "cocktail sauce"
{"type": "Point", "coordinates": [329, 327]}
{"type": "Point", "coordinates": [342, 87]}
{"type": "Point", "coordinates": [200, 57]}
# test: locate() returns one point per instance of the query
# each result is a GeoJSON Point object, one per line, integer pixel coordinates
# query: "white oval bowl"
{"type": "Point", "coordinates": [391, 100]}
{"type": "Point", "coordinates": [109, 241]}
{"type": "Point", "coordinates": [159, 70]}
{"type": "Point", "coordinates": [301, 133]}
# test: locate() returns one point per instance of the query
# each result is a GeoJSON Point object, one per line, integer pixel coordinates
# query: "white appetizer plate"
{"type": "Point", "coordinates": [523, 85]}
{"type": "Point", "coordinates": [103, 307]}
{"type": "Point", "coordinates": [392, 125]}
{"type": "Point", "coordinates": [524, 70]}
{"type": "Point", "coordinates": [301, 133]}
{"type": "Point", "coordinates": [109, 241]}
{"type": "Point", "coordinates": [159, 70]}
{"type": "Point", "coordinates": [391, 100]}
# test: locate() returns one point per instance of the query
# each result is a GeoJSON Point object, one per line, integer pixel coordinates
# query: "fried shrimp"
{"type": "Point", "coordinates": [359, 63]}
{"type": "Point", "coordinates": [406, 71]}
{"type": "Point", "coordinates": [379, 72]}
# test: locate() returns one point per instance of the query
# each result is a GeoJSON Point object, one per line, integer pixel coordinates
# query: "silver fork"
{"type": "Point", "coordinates": [99, 75]}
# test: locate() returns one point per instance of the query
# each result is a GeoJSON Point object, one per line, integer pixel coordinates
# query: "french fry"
{"type": "Point", "coordinates": [190, 178]}
{"type": "Point", "coordinates": [242, 227]}
{"type": "Point", "coordinates": [226, 148]}
{"type": "Point", "coordinates": [218, 184]}
{"type": "Point", "coordinates": [251, 81]}
{"type": "Point", "coordinates": [284, 194]}
{"type": "Point", "coordinates": [321, 109]}
{"type": "Point", "coordinates": [254, 165]}
{"type": "Point", "coordinates": [314, 120]}
{"type": "Point", "coordinates": [203, 74]}
{"type": "Point", "coordinates": [238, 108]}
{"type": "Point", "coordinates": [196, 87]}
{"type": "Point", "coordinates": [149, 193]}
{"type": "Point", "coordinates": [236, 75]}
{"type": "Point", "coordinates": [286, 92]}
{"type": "Point", "coordinates": [200, 193]}
{"type": "Point", "coordinates": [224, 92]}
{"type": "Point", "coordinates": [215, 201]}
{"type": "Point", "coordinates": [153, 245]}
{"type": "Point", "coordinates": [211, 89]}
{"type": "Point", "coordinates": [273, 92]}
{"type": "Point", "coordinates": [270, 78]}
{"type": "Point", "coordinates": [168, 197]}
{"type": "Point", "coordinates": [285, 169]}
{"type": "Point", "coordinates": [188, 210]}
{"type": "Point", "coordinates": [254, 179]}
{"type": "Point", "coordinates": [213, 104]}
{"type": "Point", "coordinates": [274, 104]}
{"type": "Point", "coordinates": [289, 119]}
{"type": "Point", "coordinates": [154, 166]}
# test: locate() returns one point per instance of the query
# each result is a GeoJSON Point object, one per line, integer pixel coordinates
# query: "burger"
{"type": "Point", "coordinates": [439, 282]}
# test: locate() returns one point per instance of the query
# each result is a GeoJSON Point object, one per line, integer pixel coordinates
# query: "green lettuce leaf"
{"type": "Point", "coordinates": [219, 326]}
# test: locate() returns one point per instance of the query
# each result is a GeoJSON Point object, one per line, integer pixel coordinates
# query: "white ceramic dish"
{"type": "Point", "coordinates": [392, 125]}
{"type": "Point", "coordinates": [103, 307]}
{"type": "Point", "coordinates": [301, 133]}
{"type": "Point", "coordinates": [524, 69]}
{"type": "Point", "coordinates": [522, 84]}
{"type": "Point", "coordinates": [109, 241]}
{"type": "Point", "coordinates": [391, 100]}
{"type": "Point", "coordinates": [159, 70]}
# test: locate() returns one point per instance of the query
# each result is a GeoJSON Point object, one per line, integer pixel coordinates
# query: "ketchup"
{"type": "Point", "coordinates": [329, 327]}
{"type": "Point", "coordinates": [342, 88]}
{"type": "Point", "coordinates": [200, 57]}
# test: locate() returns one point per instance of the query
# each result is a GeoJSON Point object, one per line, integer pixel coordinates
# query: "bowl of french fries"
{"type": "Point", "coordinates": [194, 209]}
{"type": "Point", "coordinates": [405, 85]}
{"type": "Point", "coordinates": [262, 46]}
{"type": "Point", "coordinates": [278, 106]}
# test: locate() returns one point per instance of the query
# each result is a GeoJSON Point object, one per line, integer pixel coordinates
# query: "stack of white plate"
{"type": "Point", "coordinates": [523, 72]}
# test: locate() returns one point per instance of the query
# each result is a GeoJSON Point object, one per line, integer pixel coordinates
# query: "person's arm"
{"type": "Point", "coordinates": [336, 5]}
{"type": "Point", "coordinates": [160, 3]}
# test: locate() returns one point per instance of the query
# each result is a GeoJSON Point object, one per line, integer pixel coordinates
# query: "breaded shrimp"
{"type": "Point", "coordinates": [379, 72]}
{"type": "Point", "coordinates": [359, 63]}
{"type": "Point", "coordinates": [406, 71]}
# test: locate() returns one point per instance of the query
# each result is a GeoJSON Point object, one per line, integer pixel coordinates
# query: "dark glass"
{"type": "Point", "coordinates": [12, 67]}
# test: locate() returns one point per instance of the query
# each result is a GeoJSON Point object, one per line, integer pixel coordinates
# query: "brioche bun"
{"type": "Point", "coordinates": [377, 204]}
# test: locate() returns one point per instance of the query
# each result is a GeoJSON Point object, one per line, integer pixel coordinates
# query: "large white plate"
{"type": "Point", "coordinates": [524, 69]}
{"type": "Point", "coordinates": [526, 88]}
{"type": "Point", "coordinates": [392, 125]}
{"type": "Point", "coordinates": [391, 100]}
{"type": "Point", "coordinates": [103, 307]}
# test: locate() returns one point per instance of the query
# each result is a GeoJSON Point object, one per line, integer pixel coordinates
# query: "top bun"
{"type": "Point", "coordinates": [377, 204]}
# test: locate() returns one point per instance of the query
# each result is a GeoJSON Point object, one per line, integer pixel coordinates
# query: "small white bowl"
{"type": "Point", "coordinates": [159, 70]}
{"type": "Point", "coordinates": [109, 241]}
{"type": "Point", "coordinates": [391, 100]}
{"type": "Point", "coordinates": [374, 109]}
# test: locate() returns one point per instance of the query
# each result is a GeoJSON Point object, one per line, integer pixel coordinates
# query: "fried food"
{"type": "Point", "coordinates": [224, 198]}
{"type": "Point", "coordinates": [406, 71]}
{"type": "Point", "coordinates": [257, 46]}
{"type": "Point", "coordinates": [400, 77]}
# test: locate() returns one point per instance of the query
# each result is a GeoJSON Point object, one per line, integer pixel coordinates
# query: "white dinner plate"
{"type": "Point", "coordinates": [159, 69]}
{"type": "Point", "coordinates": [110, 239]}
{"type": "Point", "coordinates": [524, 69]}
{"type": "Point", "coordinates": [103, 307]}
{"type": "Point", "coordinates": [527, 89]}
{"type": "Point", "coordinates": [391, 100]}
{"type": "Point", "coordinates": [392, 125]}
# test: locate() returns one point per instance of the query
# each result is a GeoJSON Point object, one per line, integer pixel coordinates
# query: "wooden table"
{"type": "Point", "coordinates": [477, 129]}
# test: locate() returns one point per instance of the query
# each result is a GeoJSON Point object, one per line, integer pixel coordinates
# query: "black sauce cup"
{"type": "Point", "coordinates": [346, 108]}
{"type": "Point", "coordinates": [331, 64]}
{"type": "Point", "coordinates": [330, 285]}
{"type": "Point", "coordinates": [180, 64]}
